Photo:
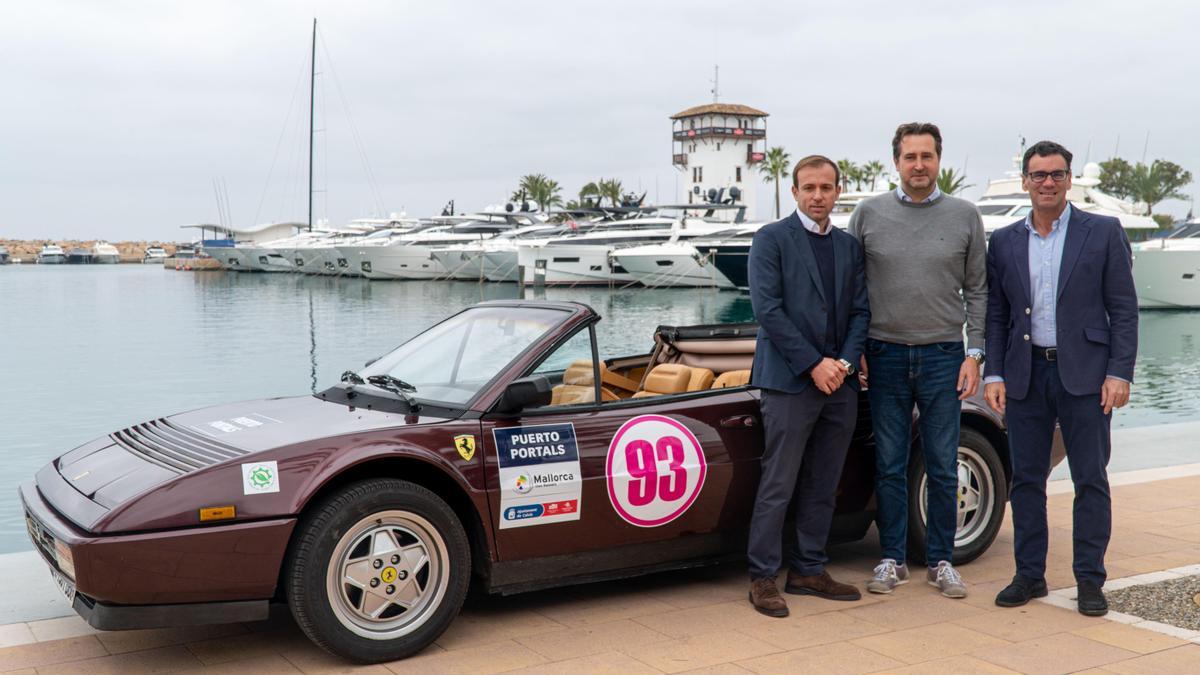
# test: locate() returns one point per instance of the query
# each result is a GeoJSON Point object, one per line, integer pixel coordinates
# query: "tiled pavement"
{"type": "Point", "coordinates": [700, 621]}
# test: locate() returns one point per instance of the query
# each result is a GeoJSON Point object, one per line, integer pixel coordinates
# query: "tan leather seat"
{"type": "Point", "coordinates": [702, 378]}
{"type": "Point", "coordinates": [732, 378]}
{"type": "Point", "coordinates": [667, 378]}
{"type": "Point", "coordinates": [577, 385]}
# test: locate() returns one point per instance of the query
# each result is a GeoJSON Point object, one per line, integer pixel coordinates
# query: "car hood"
{"type": "Point", "coordinates": [111, 471]}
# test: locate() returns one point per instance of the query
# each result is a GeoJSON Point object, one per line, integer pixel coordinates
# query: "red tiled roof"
{"type": "Point", "coordinates": [720, 109]}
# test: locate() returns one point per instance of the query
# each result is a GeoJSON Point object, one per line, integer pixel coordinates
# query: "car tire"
{"type": "Point", "coordinates": [378, 570]}
{"type": "Point", "coordinates": [981, 499]}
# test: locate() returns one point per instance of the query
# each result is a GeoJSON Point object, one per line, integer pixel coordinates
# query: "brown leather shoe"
{"type": "Point", "coordinates": [821, 585]}
{"type": "Point", "coordinates": [765, 597]}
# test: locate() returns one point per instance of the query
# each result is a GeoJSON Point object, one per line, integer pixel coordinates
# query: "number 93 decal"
{"type": "Point", "coordinates": [655, 470]}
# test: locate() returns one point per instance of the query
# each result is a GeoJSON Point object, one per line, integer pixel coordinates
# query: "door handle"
{"type": "Point", "coordinates": [739, 421]}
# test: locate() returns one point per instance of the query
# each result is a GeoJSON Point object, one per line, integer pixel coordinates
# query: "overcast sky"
{"type": "Point", "coordinates": [117, 116]}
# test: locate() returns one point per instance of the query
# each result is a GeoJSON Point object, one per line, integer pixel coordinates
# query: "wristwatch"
{"type": "Point", "coordinates": [978, 356]}
{"type": "Point", "coordinates": [847, 366]}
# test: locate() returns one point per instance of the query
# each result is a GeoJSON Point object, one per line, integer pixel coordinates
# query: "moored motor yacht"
{"type": "Point", "coordinates": [1005, 201]}
{"type": "Point", "coordinates": [410, 256]}
{"type": "Point", "coordinates": [154, 255]}
{"type": "Point", "coordinates": [104, 253]}
{"type": "Point", "coordinates": [5, 257]}
{"type": "Point", "coordinates": [1167, 271]}
{"type": "Point", "coordinates": [588, 257]}
{"type": "Point", "coordinates": [681, 264]}
{"type": "Point", "coordinates": [51, 254]}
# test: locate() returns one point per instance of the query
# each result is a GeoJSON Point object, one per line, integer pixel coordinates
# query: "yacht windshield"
{"type": "Point", "coordinates": [454, 360]}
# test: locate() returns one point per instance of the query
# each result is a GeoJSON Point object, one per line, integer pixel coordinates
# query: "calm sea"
{"type": "Point", "coordinates": [87, 350]}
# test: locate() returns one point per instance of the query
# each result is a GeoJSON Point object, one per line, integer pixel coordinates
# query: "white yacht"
{"type": "Point", "coordinates": [104, 253]}
{"type": "Point", "coordinates": [1005, 201]}
{"type": "Point", "coordinates": [589, 258]}
{"type": "Point", "coordinates": [5, 257]}
{"type": "Point", "coordinates": [410, 256]}
{"type": "Point", "coordinates": [468, 261]}
{"type": "Point", "coordinates": [51, 254]}
{"type": "Point", "coordinates": [241, 250]}
{"type": "Point", "coordinates": [154, 255]}
{"type": "Point", "coordinates": [1167, 271]}
{"type": "Point", "coordinates": [682, 264]}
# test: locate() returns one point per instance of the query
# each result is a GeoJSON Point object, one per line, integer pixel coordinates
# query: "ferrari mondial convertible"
{"type": "Point", "coordinates": [502, 447]}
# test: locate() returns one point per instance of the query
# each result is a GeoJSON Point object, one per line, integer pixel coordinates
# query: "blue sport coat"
{"type": "Point", "coordinates": [1096, 309]}
{"type": "Point", "coordinates": [790, 304]}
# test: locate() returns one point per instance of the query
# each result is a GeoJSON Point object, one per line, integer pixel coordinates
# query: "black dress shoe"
{"type": "Point", "coordinates": [1020, 591]}
{"type": "Point", "coordinates": [1091, 599]}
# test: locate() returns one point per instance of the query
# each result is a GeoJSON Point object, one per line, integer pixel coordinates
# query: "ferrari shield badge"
{"type": "Point", "coordinates": [465, 445]}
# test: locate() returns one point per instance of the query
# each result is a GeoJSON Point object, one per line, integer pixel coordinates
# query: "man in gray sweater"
{"type": "Point", "coordinates": [926, 273]}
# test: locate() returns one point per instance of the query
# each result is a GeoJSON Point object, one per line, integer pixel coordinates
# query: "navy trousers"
{"type": "Point", "coordinates": [1086, 432]}
{"type": "Point", "coordinates": [807, 436]}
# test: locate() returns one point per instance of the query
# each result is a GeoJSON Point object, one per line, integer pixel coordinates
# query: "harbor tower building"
{"type": "Point", "coordinates": [717, 147]}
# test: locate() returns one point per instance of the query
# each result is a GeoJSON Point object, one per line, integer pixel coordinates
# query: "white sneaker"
{"type": "Point", "coordinates": [947, 580]}
{"type": "Point", "coordinates": [888, 575]}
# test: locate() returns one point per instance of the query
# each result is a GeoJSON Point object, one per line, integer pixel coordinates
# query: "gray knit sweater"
{"type": "Point", "coordinates": [926, 269]}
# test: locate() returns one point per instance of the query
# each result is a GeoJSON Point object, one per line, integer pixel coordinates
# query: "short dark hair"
{"type": "Point", "coordinates": [1045, 149]}
{"type": "Point", "coordinates": [916, 129]}
{"type": "Point", "coordinates": [815, 160]}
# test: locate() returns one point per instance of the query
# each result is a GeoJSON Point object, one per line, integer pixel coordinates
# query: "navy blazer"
{"type": "Point", "coordinates": [1096, 310]}
{"type": "Point", "coordinates": [790, 305]}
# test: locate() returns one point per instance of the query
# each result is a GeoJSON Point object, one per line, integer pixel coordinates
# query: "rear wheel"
{"type": "Point", "coordinates": [980, 499]}
{"type": "Point", "coordinates": [378, 570]}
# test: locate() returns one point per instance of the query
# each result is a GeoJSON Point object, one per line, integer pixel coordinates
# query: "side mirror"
{"type": "Point", "coordinates": [523, 393]}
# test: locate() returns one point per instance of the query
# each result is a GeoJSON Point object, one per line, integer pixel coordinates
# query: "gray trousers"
{"type": "Point", "coordinates": [807, 436]}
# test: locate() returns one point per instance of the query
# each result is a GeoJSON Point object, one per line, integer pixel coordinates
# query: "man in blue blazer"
{"type": "Point", "coordinates": [1062, 331]}
{"type": "Point", "coordinates": [809, 294]}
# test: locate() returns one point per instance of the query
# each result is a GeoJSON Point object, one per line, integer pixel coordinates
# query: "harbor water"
{"type": "Point", "coordinates": [88, 350]}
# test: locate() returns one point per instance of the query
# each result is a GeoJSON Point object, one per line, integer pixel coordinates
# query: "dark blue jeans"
{"type": "Point", "coordinates": [900, 376]}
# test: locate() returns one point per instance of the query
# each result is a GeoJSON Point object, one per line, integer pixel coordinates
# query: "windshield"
{"type": "Point", "coordinates": [452, 361]}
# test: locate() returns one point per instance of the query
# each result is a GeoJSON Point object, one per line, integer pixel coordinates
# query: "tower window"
{"type": "Point", "coordinates": [700, 173]}
{"type": "Point", "coordinates": [739, 174]}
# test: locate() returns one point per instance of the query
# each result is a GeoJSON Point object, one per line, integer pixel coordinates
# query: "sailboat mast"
{"type": "Point", "coordinates": [312, 86]}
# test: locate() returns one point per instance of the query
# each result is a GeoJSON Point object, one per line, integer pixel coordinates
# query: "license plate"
{"type": "Point", "coordinates": [64, 584]}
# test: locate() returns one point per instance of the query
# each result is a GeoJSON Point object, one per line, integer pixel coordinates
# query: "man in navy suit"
{"type": "Point", "coordinates": [809, 294]}
{"type": "Point", "coordinates": [1061, 341]}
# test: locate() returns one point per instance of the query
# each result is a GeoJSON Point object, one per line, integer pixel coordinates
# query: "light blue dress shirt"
{"type": "Point", "coordinates": [1045, 262]}
{"type": "Point", "coordinates": [1045, 259]}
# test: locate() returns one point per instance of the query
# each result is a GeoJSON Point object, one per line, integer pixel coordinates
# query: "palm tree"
{"type": "Point", "coordinates": [847, 169]}
{"type": "Point", "coordinates": [589, 195]}
{"type": "Point", "coordinates": [872, 170]}
{"type": "Point", "coordinates": [774, 166]}
{"type": "Point", "coordinates": [1159, 181]}
{"type": "Point", "coordinates": [951, 182]}
{"type": "Point", "coordinates": [545, 191]}
{"type": "Point", "coordinates": [610, 189]}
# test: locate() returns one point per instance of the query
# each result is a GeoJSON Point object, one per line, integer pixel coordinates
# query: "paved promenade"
{"type": "Point", "coordinates": [700, 620]}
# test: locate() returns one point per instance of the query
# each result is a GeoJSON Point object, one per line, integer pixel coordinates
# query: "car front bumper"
{"type": "Point", "coordinates": [206, 574]}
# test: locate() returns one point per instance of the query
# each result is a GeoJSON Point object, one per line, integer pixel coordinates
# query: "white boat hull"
{"type": "Point", "coordinates": [461, 264]}
{"type": "Point", "coordinates": [501, 265]}
{"type": "Point", "coordinates": [262, 259]}
{"type": "Point", "coordinates": [1166, 277]}
{"type": "Point", "coordinates": [54, 259]}
{"type": "Point", "coordinates": [677, 266]}
{"type": "Point", "coordinates": [409, 261]}
{"type": "Point", "coordinates": [229, 258]}
{"type": "Point", "coordinates": [567, 265]}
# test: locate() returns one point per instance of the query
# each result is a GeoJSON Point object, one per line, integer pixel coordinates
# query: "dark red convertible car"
{"type": "Point", "coordinates": [502, 447]}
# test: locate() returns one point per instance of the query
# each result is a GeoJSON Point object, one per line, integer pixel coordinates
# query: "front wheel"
{"type": "Point", "coordinates": [377, 571]}
{"type": "Point", "coordinates": [980, 500]}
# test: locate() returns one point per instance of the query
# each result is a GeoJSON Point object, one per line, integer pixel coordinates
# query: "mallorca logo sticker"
{"type": "Point", "coordinates": [260, 478]}
{"type": "Point", "coordinates": [465, 445]}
